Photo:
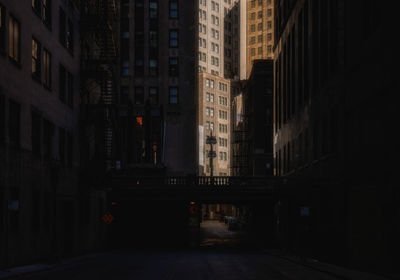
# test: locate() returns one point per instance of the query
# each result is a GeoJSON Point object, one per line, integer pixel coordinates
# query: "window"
{"type": "Point", "coordinates": [269, 12]}
{"type": "Point", "coordinates": [212, 98]}
{"type": "Point", "coordinates": [173, 38]}
{"type": "Point", "coordinates": [252, 40]}
{"type": "Point", "coordinates": [43, 9]}
{"type": "Point", "coordinates": [66, 29]}
{"type": "Point", "coordinates": [259, 26]}
{"type": "Point", "coordinates": [253, 51]}
{"type": "Point", "coordinates": [36, 59]}
{"type": "Point", "coordinates": [252, 28]}
{"type": "Point", "coordinates": [259, 50]}
{"type": "Point", "coordinates": [36, 131]}
{"type": "Point", "coordinates": [173, 9]}
{"type": "Point", "coordinates": [14, 123]}
{"type": "Point", "coordinates": [269, 36]}
{"type": "Point", "coordinates": [62, 83]}
{"type": "Point", "coordinates": [46, 68]}
{"type": "Point", "coordinates": [269, 24]}
{"type": "Point", "coordinates": [211, 112]}
{"type": "Point", "coordinates": [61, 145]}
{"type": "Point", "coordinates": [153, 67]}
{"type": "Point", "coordinates": [259, 38]}
{"type": "Point", "coordinates": [14, 39]}
{"type": "Point", "coordinates": [211, 83]}
{"type": "Point", "coordinates": [153, 9]}
{"type": "Point", "coordinates": [269, 49]}
{"type": "Point", "coordinates": [207, 125]}
{"type": "Point", "coordinates": [2, 29]}
{"type": "Point", "coordinates": [253, 16]}
{"type": "Point", "coordinates": [173, 95]}
{"type": "Point", "coordinates": [48, 134]}
{"type": "Point", "coordinates": [173, 67]}
{"type": "Point", "coordinates": [46, 15]}
{"type": "Point", "coordinates": [70, 90]}
{"type": "Point", "coordinates": [208, 97]}
{"type": "Point", "coordinates": [139, 95]}
{"type": "Point", "coordinates": [207, 82]}
{"type": "Point", "coordinates": [125, 68]}
{"type": "Point", "coordinates": [153, 95]}
{"type": "Point", "coordinates": [211, 126]}
{"type": "Point", "coordinates": [259, 14]}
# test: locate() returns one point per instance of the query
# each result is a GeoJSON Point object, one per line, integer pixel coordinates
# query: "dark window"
{"type": "Point", "coordinates": [63, 28]}
{"type": "Point", "coordinates": [13, 217]}
{"type": "Point", "coordinates": [36, 133]}
{"type": "Point", "coordinates": [14, 123]}
{"type": "Point", "coordinates": [124, 95]}
{"type": "Point", "coordinates": [70, 146]}
{"type": "Point", "coordinates": [70, 89]}
{"type": "Point", "coordinates": [62, 83]}
{"type": "Point", "coordinates": [14, 39]}
{"type": "Point", "coordinates": [153, 95]}
{"type": "Point", "coordinates": [70, 37]}
{"type": "Point", "coordinates": [173, 66]}
{"type": "Point", "coordinates": [139, 95]}
{"type": "Point", "coordinates": [47, 12]}
{"type": "Point", "coordinates": [153, 9]}
{"type": "Point", "coordinates": [173, 9]}
{"type": "Point", "coordinates": [37, 6]}
{"type": "Point", "coordinates": [173, 95]}
{"type": "Point", "coordinates": [2, 118]}
{"type": "Point", "coordinates": [153, 67]}
{"type": "Point", "coordinates": [47, 68]}
{"type": "Point", "coordinates": [2, 29]}
{"type": "Point", "coordinates": [173, 38]}
{"type": "Point", "coordinates": [61, 145]}
{"type": "Point", "coordinates": [36, 59]}
{"type": "Point", "coordinates": [48, 135]}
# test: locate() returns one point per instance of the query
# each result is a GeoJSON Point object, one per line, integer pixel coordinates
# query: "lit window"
{"type": "Point", "coordinates": [173, 38]}
{"type": "Point", "coordinates": [173, 95]}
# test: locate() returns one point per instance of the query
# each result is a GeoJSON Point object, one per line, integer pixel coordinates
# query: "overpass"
{"type": "Point", "coordinates": [222, 189]}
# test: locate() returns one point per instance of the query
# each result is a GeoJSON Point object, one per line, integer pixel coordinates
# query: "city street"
{"type": "Point", "coordinates": [220, 256]}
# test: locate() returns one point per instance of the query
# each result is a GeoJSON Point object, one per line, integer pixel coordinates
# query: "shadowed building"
{"type": "Point", "coordinates": [333, 130]}
{"type": "Point", "coordinates": [40, 203]}
{"type": "Point", "coordinates": [156, 99]}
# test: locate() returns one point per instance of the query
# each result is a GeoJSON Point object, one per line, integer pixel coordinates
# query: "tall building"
{"type": "Point", "coordinates": [260, 31]}
{"type": "Point", "coordinates": [334, 116]}
{"type": "Point", "coordinates": [218, 63]}
{"type": "Point", "coordinates": [156, 98]}
{"type": "Point", "coordinates": [44, 211]}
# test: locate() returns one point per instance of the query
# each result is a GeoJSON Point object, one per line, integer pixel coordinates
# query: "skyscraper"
{"type": "Point", "coordinates": [218, 64]}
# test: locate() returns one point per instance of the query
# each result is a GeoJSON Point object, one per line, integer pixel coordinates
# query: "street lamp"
{"type": "Point", "coordinates": [211, 140]}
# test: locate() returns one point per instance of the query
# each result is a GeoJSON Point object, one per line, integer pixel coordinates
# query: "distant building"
{"type": "Point", "coordinates": [260, 31]}
{"type": "Point", "coordinates": [252, 124]}
{"type": "Point", "coordinates": [218, 36]}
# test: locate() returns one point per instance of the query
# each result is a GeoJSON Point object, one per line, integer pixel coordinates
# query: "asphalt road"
{"type": "Point", "coordinates": [220, 257]}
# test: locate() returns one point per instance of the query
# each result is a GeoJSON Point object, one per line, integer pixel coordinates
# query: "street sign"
{"type": "Point", "coordinates": [211, 140]}
{"type": "Point", "coordinates": [108, 218]}
{"type": "Point", "coordinates": [212, 154]}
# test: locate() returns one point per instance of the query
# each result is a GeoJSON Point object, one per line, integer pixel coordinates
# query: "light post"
{"type": "Point", "coordinates": [211, 140]}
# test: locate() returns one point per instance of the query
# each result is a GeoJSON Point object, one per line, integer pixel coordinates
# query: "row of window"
{"type": "Point", "coordinates": [223, 114]}
{"type": "Point", "coordinates": [223, 156]}
{"type": "Point", "coordinates": [215, 20]}
{"type": "Point", "coordinates": [223, 100]}
{"type": "Point", "coordinates": [260, 38]}
{"type": "Point", "coordinates": [214, 61]}
{"type": "Point", "coordinates": [260, 26]}
{"type": "Point", "coordinates": [223, 128]}
{"type": "Point", "coordinates": [222, 142]}
{"type": "Point", "coordinates": [209, 111]}
{"type": "Point", "coordinates": [209, 125]}
{"type": "Point", "coordinates": [260, 50]}
{"type": "Point", "coordinates": [173, 95]}
{"type": "Point", "coordinates": [260, 14]}
{"type": "Point", "coordinates": [42, 133]}
{"type": "Point", "coordinates": [223, 87]}
{"type": "Point", "coordinates": [253, 3]}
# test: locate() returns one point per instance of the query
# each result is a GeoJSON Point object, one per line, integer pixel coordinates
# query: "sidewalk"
{"type": "Point", "coordinates": [19, 271]}
{"type": "Point", "coordinates": [334, 270]}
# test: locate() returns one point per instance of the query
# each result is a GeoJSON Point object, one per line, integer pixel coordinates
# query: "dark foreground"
{"type": "Point", "coordinates": [220, 256]}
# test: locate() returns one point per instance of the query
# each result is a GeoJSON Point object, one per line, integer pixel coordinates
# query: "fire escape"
{"type": "Point", "coordinates": [99, 66]}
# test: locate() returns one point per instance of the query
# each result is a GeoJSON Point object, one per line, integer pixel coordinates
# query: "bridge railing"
{"type": "Point", "coordinates": [192, 181]}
